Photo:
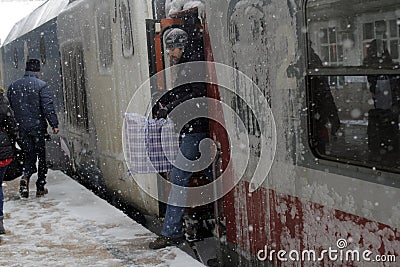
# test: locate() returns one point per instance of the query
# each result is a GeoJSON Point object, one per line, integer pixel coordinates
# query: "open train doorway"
{"type": "Point", "coordinates": [199, 221]}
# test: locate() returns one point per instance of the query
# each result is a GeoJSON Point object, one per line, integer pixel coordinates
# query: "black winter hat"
{"type": "Point", "coordinates": [176, 38]}
{"type": "Point", "coordinates": [32, 65]}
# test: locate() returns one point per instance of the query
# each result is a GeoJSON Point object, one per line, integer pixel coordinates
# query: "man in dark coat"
{"type": "Point", "coordinates": [192, 132]}
{"type": "Point", "coordinates": [323, 108]}
{"type": "Point", "coordinates": [383, 120]}
{"type": "Point", "coordinates": [32, 102]}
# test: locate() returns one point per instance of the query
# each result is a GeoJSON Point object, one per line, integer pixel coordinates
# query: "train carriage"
{"type": "Point", "coordinates": [35, 36]}
{"type": "Point", "coordinates": [102, 46]}
{"type": "Point", "coordinates": [311, 199]}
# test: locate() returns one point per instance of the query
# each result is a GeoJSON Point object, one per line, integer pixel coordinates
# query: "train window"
{"type": "Point", "coordinates": [353, 81]}
{"type": "Point", "coordinates": [104, 38]}
{"type": "Point", "coordinates": [15, 58]}
{"type": "Point", "coordinates": [42, 49]}
{"type": "Point", "coordinates": [126, 28]}
{"type": "Point", "coordinates": [26, 51]}
{"type": "Point", "coordinates": [74, 82]}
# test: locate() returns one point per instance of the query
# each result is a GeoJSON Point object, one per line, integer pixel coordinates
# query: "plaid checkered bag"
{"type": "Point", "coordinates": [163, 143]}
{"type": "Point", "coordinates": [149, 144]}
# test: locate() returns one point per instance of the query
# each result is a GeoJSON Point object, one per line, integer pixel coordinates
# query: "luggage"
{"type": "Point", "coordinates": [383, 131]}
{"type": "Point", "coordinates": [150, 145]}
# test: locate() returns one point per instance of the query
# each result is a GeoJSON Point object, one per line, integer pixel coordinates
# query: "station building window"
{"type": "Point", "coordinates": [104, 37]}
{"type": "Point", "coordinates": [74, 82]}
{"type": "Point", "coordinates": [353, 81]}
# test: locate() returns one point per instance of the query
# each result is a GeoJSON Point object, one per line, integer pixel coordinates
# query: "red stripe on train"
{"type": "Point", "coordinates": [283, 222]}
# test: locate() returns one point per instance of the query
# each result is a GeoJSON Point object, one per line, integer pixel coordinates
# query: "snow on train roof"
{"type": "Point", "coordinates": [49, 10]}
{"type": "Point", "coordinates": [174, 6]}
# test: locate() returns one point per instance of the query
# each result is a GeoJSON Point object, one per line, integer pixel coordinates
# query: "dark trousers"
{"type": "Point", "coordinates": [33, 145]}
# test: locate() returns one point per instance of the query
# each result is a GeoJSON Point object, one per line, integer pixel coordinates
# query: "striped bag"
{"type": "Point", "coordinates": [150, 145]}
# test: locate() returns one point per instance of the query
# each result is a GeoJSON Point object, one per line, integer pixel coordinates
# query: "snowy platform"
{"type": "Point", "coordinates": [73, 227]}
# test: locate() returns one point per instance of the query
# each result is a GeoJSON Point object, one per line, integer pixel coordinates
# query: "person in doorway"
{"type": "Point", "coordinates": [382, 99]}
{"type": "Point", "coordinates": [32, 103]}
{"type": "Point", "coordinates": [181, 51]}
{"type": "Point", "coordinates": [8, 135]}
{"type": "Point", "coordinates": [324, 108]}
{"type": "Point", "coordinates": [383, 119]}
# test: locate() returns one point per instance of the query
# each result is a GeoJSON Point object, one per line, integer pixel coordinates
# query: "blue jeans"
{"type": "Point", "coordinates": [2, 173]}
{"type": "Point", "coordinates": [189, 147]}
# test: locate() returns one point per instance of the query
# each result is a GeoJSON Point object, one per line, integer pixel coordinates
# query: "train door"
{"type": "Point", "coordinates": [200, 221]}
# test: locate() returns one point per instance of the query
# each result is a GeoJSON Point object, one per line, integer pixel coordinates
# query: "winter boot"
{"type": "Point", "coordinates": [41, 192]}
{"type": "Point", "coordinates": [24, 187]}
{"type": "Point", "coordinates": [164, 241]}
{"type": "Point", "coordinates": [2, 231]}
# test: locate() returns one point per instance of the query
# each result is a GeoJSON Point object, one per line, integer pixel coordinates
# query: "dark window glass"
{"type": "Point", "coordinates": [354, 99]}
{"type": "Point", "coordinates": [340, 52]}
{"type": "Point", "coordinates": [15, 58]}
{"type": "Point", "coordinates": [394, 49]}
{"type": "Point", "coordinates": [104, 39]}
{"type": "Point", "coordinates": [126, 29]}
{"type": "Point", "coordinates": [393, 28]}
{"type": "Point", "coordinates": [324, 36]}
{"type": "Point", "coordinates": [332, 35]}
{"type": "Point", "coordinates": [380, 29]}
{"type": "Point", "coordinates": [368, 31]}
{"type": "Point", "coordinates": [74, 83]}
{"type": "Point", "coordinates": [333, 56]}
{"type": "Point", "coordinates": [399, 26]}
{"type": "Point", "coordinates": [43, 50]}
{"type": "Point", "coordinates": [325, 54]}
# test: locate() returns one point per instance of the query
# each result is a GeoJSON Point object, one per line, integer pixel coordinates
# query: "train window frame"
{"type": "Point", "coordinates": [128, 48]}
{"type": "Point", "coordinates": [388, 37]}
{"type": "Point", "coordinates": [104, 42]}
{"type": "Point", "coordinates": [75, 93]}
{"type": "Point", "coordinates": [347, 72]}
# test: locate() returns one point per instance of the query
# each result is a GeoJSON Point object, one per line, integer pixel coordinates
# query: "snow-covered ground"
{"type": "Point", "coordinates": [73, 227]}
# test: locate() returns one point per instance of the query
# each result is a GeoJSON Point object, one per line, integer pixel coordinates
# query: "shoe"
{"type": "Point", "coordinates": [2, 230]}
{"type": "Point", "coordinates": [24, 187]}
{"type": "Point", "coordinates": [41, 192]}
{"type": "Point", "coordinates": [164, 241]}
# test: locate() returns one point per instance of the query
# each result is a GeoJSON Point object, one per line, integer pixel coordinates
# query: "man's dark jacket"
{"type": "Point", "coordinates": [32, 102]}
{"type": "Point", "coordinates": [187, 91]}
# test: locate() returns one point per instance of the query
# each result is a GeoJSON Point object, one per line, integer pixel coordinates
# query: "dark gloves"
{"type": "Point", "coordinates": [162, 113]}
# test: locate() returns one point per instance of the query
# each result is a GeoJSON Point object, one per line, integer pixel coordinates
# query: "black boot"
{"type": "Point", "coordinates": [164, 241]}
{"type": "Point", "coordinates": [24, 187]}
{"type": "Point", "coordinates": [2, 231]}
{"type": "Point", "coordinates": [41, 192]}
